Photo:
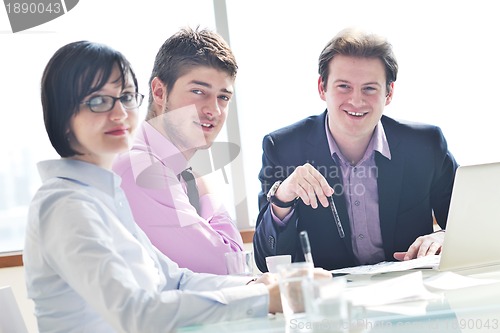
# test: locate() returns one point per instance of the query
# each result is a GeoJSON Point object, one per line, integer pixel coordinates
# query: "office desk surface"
{"type": "Point", "coordinates": [471, 309]}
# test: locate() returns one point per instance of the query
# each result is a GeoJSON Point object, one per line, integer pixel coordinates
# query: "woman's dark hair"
{"type": "Point", "coordinates": [75, 71]}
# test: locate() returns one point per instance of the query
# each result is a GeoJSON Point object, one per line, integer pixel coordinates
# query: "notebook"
{"type": "Point", "coordinates": [473, 228]}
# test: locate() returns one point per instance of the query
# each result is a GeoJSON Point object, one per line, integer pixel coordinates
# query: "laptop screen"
{"type": "Point", "coordinates": [473, 228]}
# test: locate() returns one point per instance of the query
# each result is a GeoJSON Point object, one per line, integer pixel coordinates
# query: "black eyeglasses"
{"type": "Point", "coordinates": [104, 103]}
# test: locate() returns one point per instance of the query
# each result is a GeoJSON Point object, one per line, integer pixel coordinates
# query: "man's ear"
{"type": "Point", "coordinates": [321, 89]}
{"type": "Point", "coordinates": [159, 92]}
{"type": "Point", "coordinates": [388, 98]}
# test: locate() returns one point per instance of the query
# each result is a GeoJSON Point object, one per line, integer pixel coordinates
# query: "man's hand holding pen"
{"type": "Point", "coordinates": [305, 183]}
{"type": "Point", "coordinates": [310, 186]}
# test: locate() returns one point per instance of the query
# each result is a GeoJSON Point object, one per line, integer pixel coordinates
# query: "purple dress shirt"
{"type": "Point", "coordinates": [160, 205]}
{"type": "Point", "coordinates": [359, 184]}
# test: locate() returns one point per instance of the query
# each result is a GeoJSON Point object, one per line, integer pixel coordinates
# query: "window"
{"type": "Point", "coordinates": [24, 55]}
{"type": "Point", "coordinates": [447, 70]}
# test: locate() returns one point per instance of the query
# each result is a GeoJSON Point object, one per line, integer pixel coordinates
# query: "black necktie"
{"type": "Point", "coordinates": [192, 189]}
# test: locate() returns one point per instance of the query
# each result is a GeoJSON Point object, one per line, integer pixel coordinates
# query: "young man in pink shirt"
{"type": "Point", "coordinates": [191, 86]}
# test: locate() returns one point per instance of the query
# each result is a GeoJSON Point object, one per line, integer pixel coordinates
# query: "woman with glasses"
{"type": "Point", "coordinates": [89, 268]}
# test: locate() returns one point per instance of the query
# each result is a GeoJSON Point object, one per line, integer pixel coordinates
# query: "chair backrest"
{"type": "Point", "coordinates": [11, 319]}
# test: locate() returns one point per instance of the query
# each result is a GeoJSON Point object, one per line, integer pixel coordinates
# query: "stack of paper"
{"type": "Point", "coordinates": [431, 261]}
{"type": "Point", "coordinates": [409, 287]}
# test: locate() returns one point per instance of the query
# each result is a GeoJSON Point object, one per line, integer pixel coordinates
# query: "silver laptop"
{"type": "Point", "coordinates": [473, 228]}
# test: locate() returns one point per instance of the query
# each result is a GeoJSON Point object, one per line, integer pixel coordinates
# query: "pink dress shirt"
{"type": "Point", "coordinates": [160, 205]}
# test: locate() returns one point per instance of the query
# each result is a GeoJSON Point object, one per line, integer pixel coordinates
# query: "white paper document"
{"type": "Point", "coordinates": [449, 281]}
{"type": "Point", "coordinates": [431, 261]}
{"type": "Point", "coordinates": [409, 287]}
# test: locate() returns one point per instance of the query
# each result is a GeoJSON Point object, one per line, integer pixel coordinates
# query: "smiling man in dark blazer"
{"type": "Point", "coordinates": [388, 179]}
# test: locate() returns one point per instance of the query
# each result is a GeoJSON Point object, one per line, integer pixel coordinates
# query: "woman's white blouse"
{"type": "Point", "coordinates": [89, 267]}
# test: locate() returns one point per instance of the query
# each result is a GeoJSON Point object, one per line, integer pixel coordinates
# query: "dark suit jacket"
{"type": "Point", "coordinates": [416, 182]}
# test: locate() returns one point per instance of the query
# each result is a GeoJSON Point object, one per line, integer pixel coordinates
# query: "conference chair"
{"type": "Point", "coordinates": [11, 319]}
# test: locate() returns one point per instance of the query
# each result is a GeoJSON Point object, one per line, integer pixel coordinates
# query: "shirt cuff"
{"type": "Point", "coordinates": [253, 299]}
{"type": "Point", "coordinates": [285, 220]}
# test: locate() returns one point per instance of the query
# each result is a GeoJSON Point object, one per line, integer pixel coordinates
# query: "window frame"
{"type": "Point", "coordinates": [11, 259]}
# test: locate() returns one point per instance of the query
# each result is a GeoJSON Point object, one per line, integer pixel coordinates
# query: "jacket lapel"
{"type": "Point", "coordinates": [319, 156]}
{"type": "Point", "coordinates": [390, 175]}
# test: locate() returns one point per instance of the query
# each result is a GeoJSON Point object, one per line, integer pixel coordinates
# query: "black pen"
{"type": "Point", "coordinates": [336, 218]}
{"type": "Point", "coordinates": [306, 246]}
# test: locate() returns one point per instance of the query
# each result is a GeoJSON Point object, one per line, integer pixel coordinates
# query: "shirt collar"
{"type": "Point", "coordinates": [151, 140]}
{"type": "Point", "coordinates": [85, 173]}
{"type": "Point", "coordinates": [378, 142]}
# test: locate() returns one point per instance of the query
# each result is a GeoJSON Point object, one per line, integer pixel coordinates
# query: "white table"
{"type": "Point", "coordinates": [472, 309]}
